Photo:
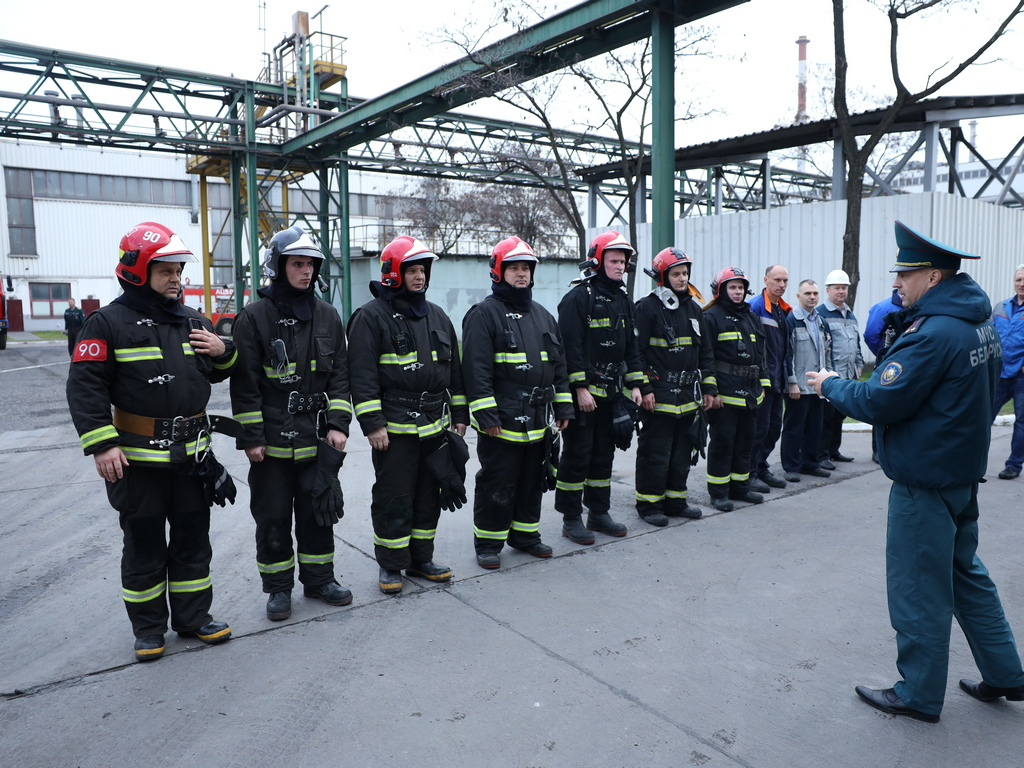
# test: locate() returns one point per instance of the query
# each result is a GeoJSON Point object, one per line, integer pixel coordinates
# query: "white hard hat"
{"type": "Point", "coordinates": [837, 277]}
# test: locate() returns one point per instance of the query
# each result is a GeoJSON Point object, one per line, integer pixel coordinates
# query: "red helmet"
{"type": "Point", "coordinates": [148, 242]}
{"type": "Point", "coordinates": [508, 250]}
{"type": "Point", "coordinates": [664, 261]}
{"type": "Point", "coordinates": [607, 241]}
{"type": "Point", "coordinates": [402, 250]}
{"type": "Point", "coordinates": [725, 275]}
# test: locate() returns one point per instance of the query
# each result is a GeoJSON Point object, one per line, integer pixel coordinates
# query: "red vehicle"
{"type": "Point", "coordinates": [223, 303]}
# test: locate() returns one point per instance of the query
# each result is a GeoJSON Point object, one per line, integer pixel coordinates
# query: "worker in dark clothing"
{"type": "Point", "coordinates": [407, 389]}
{"type": "Point", "coordinates": [740, 376]}
{"type": "Point", "coordinates": [930, 400]}
{"type": "Point", "coordinates": [291, 391]}
{"type": "Point", "coordinates": [153, 359]}
{"type": "Point", "coordinates": [517, 386]}
{"type": "Point", "coordinates": [74, 319]}
{"type": "Point", "coordinates": [596, 321]}
{"type": "Point", "coordinates": [680, 362]}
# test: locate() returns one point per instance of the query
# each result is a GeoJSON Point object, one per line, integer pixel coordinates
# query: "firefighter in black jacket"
{"type": "Point", "coordinates": [407, 388]}
{"type": "Point", "coordinates": [516, 384]}
{"type": "Point", "coordinates": [291, 383]}
{"type": "Point", "coordinates": [596, 321]}
{"type": "Point", "coordinates": [679, 361]}
{"type": "Point", "coordinates": [741, 375]}
{"type": "Point", "coordinates": [153, 359]}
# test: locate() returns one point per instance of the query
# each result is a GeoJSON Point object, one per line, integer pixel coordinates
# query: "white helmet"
{"type": "Point", "coordinates": [837, 277]}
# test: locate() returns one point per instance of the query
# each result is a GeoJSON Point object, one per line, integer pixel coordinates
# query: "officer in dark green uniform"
{"type": "Point", "coordinates": [930, 401]}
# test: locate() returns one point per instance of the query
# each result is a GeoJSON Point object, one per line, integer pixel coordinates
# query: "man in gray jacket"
{"type": "Point", "coordinates": [810, 349]}
{"type": "Point", "coordinates": [846, 356]}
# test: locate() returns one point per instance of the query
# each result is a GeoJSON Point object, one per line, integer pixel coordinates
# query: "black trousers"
{"type": "Point", "coordinates": [585, 468]}
{"type": "Point", "coordinates": [730, 435]}
{"type": "Point", "coordinates": [801, 433]}
{"type": "Point", "coordinates": [663, 462]}
{"type": "Point", "coordinates": [508, 495]}
{"type": "Point", "coordinates": [280, 489]}
{"type": "Point", "coordinates": [163, 575]}
{"type": "Point", "coordinates": [831, 431]}
{"type": "Point", "coordinates": [766, 435]}
{"type": "Point", "coordinates": [405, 504]}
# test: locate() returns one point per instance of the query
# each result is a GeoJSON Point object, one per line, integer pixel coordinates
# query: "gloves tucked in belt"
{"type": "Point", "coordinates": [218, 486]}
{"type": "Point", "coordinates": [624, 417]}
{"type": "Point", "coordinates": [448, 466]}
{"type": "Point", "coordinates": [328, 500]}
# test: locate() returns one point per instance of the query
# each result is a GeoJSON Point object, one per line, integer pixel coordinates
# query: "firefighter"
{"type": "Point", "coordinates": [516, 384]}
{"type": "Point", "coordinates": [596, 321]}
{"type": "Point", "coordinates": [153, 359]}
{"type": "Point", "coordinates": [679, 361]}
{"type": "Point", "coordinates": [407, 389]}
{"type": "Point", "coordinates": [741, 375]}
{"type": "Point", "coordinates": [290, 392]}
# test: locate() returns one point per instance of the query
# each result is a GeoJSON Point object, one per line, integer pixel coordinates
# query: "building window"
{"type": "Point", "coordinates": [49, 299]}
{"type": "Point", "coordinates": [21, 220]}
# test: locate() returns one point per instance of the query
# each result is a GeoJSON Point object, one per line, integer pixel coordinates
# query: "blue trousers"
{"type": "Point", "coordinates": [1007, 389]}
{"type": "Point", "coordinates": [933, 574]}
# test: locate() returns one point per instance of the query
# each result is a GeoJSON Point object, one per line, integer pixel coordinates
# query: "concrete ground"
{"type": "Point", "coordinates": [735, 640]}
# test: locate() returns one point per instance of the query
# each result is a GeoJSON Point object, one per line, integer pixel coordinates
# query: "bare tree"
{"type": "Point", "coordinates": [440, 212]}
{"type": "Point", "coordinates": [858, 154]}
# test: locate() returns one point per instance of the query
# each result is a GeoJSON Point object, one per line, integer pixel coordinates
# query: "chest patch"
{"type": "Point", "coordinates": [890, 373]}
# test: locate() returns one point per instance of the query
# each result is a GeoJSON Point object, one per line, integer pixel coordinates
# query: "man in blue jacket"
{"type": "Point", "coordinates": [930, 398]}
{"type": "Point", "coordinates": [1008, 319]}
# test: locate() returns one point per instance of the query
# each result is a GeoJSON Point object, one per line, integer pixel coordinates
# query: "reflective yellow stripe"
{"type": "Point", "coordinates": [296, 454]}
{"type": "Point", "coordinates": [600, 322]}
{"type": "Point", "coordinates": [187, 349]}
{"type": "Point", "coordinates": [284, 565]}
{"type": "Point", "coordinates": [718, 480]}
{"type": "Point", "coordinates": [675, 409]}
{"type": "Point", "coordinates": [162, 455]}
{"type": "Point", "coordinates": [482, 403]}
{"type": "Point", "coordinates": [480, 533]}
{"type": "Point", "coordinates": [560, 486]}
{"type": "Point", "coordinates": [391, 543]}
{"type": "Point", "coordinates": [135, 354]}
{"type": "Point", "coordinates": [458, 400]}
{"type": "Point", "coordinates": [729, 400]}
{"type": "Point", "coordinates": [391, 358]}
{"type": "Point", "coordinates": [510, 357]}
{"type": "Point", "coordinates": [367, 406]}
{"type": "Point", "coordinates": [563, 397]}
{"type": "Point", "coordinates": [600, 482]}
{"type": "Point", "coordinates": [650, 499]}
{"type": "Point", "coordinates": [316, 559]}
{"type": "Point", "coordinates": [739, 478]}
{"type": "Point", "coordinates": [196, 585]}
{"type": "Point", "coordinates": [253, 417]}
{"type": "Point", "coordinates": [427, 430]}
{"type": "Point", "coordinates": [675, 494]}
{"type": "Point", "coordinates": [424, 533]}
{"type": "Point", "coordinates": [543, 356]}
{"type": "Point", "coordinates": [94, 436]}
{"type": "Point", "coordinates": [141, 596]}
{"type": "Point", "coordinates": [636, 376]}
{"type": "Point", "coordinates": [578, 376]}
{"type": "Point", "coordinates": [685, 341]}
{"type": "Point", "coordinates": [312, 366]}
{"type": "Point", "coordinates": [340, 405]}
{"type": "Point", "coordinates": [273, 374]}
{"type": "Point", "coordinates": [729, 336]}
{"type": "Point", "coordinates": [597, 390]}
{"type": "Point", "coordinates": [526, 527]}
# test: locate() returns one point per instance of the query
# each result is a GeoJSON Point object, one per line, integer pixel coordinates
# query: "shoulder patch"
{"type": "Point", "coordinates": [890, 373]}
{"type": "Point", "coordinates": [90, 349]}
{"type": "Point", "coordinates": [914, 326]}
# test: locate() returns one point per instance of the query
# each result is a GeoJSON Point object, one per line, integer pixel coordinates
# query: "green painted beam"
{"type": "Point", "coordinates": [663, 45]}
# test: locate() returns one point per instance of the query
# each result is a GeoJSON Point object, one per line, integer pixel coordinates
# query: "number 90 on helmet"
{"type": "Point", "coordinates": [144, 243]}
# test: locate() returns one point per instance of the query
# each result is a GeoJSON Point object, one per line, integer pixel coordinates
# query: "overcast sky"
{"type": "Point", "coordinates": [751, 83]}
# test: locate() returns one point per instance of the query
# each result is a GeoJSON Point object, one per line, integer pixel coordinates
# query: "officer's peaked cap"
{"type": "Point", "coordinates": [917, 252]}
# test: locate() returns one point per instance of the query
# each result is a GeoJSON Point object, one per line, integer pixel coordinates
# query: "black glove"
{"type": "Point", "coordinates": [551, 460]}
{"type": "Point", "coordinates": [218, 487]}
{"type": "Point", "coordinates": [328, 500]}
{"type": "Point", "coordinates": [448, 466]}
{"type": "Point", "coordinates": [624, 417]}
{"type": "Point", "coordinates": [699, 436]}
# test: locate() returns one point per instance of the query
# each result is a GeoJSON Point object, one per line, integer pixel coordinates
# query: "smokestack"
{"type": "Point", "coordinates": [801, 88]}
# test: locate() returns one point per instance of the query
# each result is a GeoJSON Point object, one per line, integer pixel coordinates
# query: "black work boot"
{"type": "Point", "coordinates": [721, 503]}
{"type": "Point", "coordinates": [603, 523]}
{"type": "Point", "coordinates": [742, 492]}
{"type": "Point", "coordinates": [430, 571]}
{"type": "Point", "coordinates": [684, 510]}
{"type": "Point", "coordinates": [390, 582]}
{"type": "Point", "coordinates": [488, 560]}
{"type": "Point", "coordinates": [653, 517]}
{"type": "Point", "coordinates": [574, 530]}
{"type": "Point", "coordinates": [757, 485]}
{"type": "Point", "coordinates": [149, 648]}
{"type": "Point", "coordinates": [279, 606]}
{"type": "Point", "coordinates": [211, 633]}
{"type": "Point", "coordinates": [537, 549]}
{"type": "Point", "coordinates": [331, 593]}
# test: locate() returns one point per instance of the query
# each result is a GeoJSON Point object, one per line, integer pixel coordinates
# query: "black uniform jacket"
{"type": "Point", "coordinates": [314, 361]}
{"type": "Point", "coordinates": [596, 321]}
{"type": "Point", "coordinates": [514, 366]}
{"type": "Point", "coordinates": [405, 370]}
{"type": "Point", "coordinates": [740, 367]}
{"type": "Point", "coordinates": [124, 358]}
{"type": "Point", "coordinates": [675, 340]}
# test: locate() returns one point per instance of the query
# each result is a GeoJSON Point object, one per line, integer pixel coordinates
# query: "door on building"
{"type": "Point", "coordinates": [14, 316]}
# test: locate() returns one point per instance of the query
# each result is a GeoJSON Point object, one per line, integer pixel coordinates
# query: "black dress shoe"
{"type": "Point", "coordinates": [331, 593]}
{"type": "Point", "coordinates": [773, 480]}
{"type": "Point", "coordinates": [840, 457]}
{"type": "Point", "coordinates": [574, 530]}
{"type": "Point", "coordinates": [488, 560]}
{"type": "Point", "coordinates": [151, 648]}
{"type": "Point", "coordinates": [886, 700]}
{"type": "Point", "coordinates": [654, 518]}
{"type": "Point", "coordinates": [985, 692]}
{"type": "Point", "coordinates": [211, 633]}
{"type": "Point", "coordinates": [1009, 474]}
{"type": "Point", "coordinates": [814, 472]}
{"type": "Point", "coordinates": [826, 464]}
{"type": "Point", "coordinates": [757, 485]}
{"type": "Point", "coordinates": [792, 477]}
{"type": "Point", "coordinates": [390, 582]}
{"type": "Point", "coordinates": [430, 571]}
{"type": "Point", "coordinates": [537, 549]}
{"type": "Point", "coordinates": [279, 606]}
